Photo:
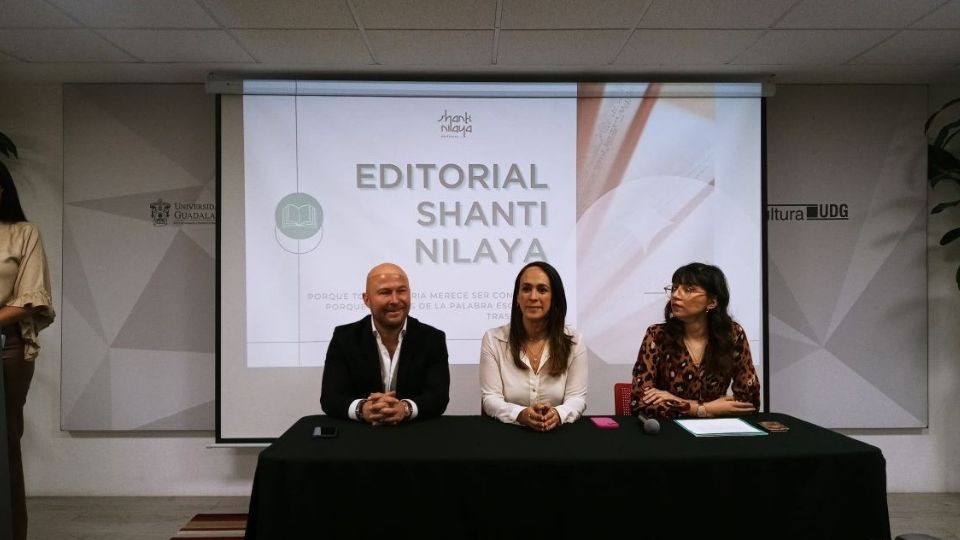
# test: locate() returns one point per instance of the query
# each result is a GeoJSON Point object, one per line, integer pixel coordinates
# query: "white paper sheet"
{"type": "Point", "coordinates": [719, 427]}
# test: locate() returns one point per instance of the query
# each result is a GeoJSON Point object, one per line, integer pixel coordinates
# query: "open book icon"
{"type": "Point", "coordinates": [299, 216]}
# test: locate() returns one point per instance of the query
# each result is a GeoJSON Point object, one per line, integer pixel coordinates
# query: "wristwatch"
{"type": "Point", "coordinates": [408, 407]}
{"type": "Point", "coordinates": [701, 410]}
{"type": "Point", "coordinates": [359, 411]}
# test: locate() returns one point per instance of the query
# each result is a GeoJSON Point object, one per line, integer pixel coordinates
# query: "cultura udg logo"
{"type": "Point", "coordinates": [808, 212]}
{"type": "Point", "coordinates": [455, 125]}
{"type": "Point", "coordinates": [160, 212]}
{"type": "Point", "coordinates": [299, 223]}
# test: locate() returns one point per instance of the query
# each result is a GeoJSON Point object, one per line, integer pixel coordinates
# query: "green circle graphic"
{"type": "Point", "coordinates": [299, 216]}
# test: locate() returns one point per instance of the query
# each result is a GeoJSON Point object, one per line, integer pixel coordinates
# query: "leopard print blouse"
{"type": "Point", "coordinates": [677, 374]}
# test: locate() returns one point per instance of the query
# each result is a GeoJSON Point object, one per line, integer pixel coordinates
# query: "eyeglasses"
{"type": "Point", "coordinates": [684, 290]}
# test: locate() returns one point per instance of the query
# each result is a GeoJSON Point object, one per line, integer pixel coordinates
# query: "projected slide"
{"type": "Point", "coordinates": [462, 184]}
{"type": "Point", "coordinates": [662, 182]}
{"type": "Point", "coordinates": [458, 192]}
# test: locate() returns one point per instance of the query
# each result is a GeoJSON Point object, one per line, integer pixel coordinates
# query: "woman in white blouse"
{"type": "Point", "coordinates": [533, 371]}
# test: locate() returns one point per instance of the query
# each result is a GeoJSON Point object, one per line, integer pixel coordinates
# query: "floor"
{"type": "Point", "coordinates": [159, 518]}
{"type": "Point", "coordinates": [936, 514]}
{"type": "Point", "coordinates": [120, 518]}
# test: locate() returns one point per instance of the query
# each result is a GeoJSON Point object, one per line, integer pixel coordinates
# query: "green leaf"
{"type": "Point", "coordinates": [7, 147]}
{"type": "Point", "coordinates": [955, 176]}
{"type": "Point", "coordinates": [950, 236]}
{"type": "Point", "coordinates": [941, 165]}
{"type": "Point", "coordinates": [952, 135]}
{"type": "Point", "coordinates": [943, 206]}
{"type": "Point", "coordinates": [926, 126]}
{"type": "Point", "coordinates": [944, 133]}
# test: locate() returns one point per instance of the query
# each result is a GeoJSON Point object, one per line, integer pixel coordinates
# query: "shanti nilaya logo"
{"type": "Point", "coordinates": [160, 212]}
{"type": "Point", "coordinates": [808, 212]}
{"type": "Point", "coordinates": [455, 125]}
{"type": "Point", "coordinates": [299, 219]}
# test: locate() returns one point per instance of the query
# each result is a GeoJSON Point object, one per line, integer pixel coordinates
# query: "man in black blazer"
{"type": "Point", "coordinates": [387, 367]}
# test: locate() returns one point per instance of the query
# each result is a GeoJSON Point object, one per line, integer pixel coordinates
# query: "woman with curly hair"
{"type": "Point", "coordinates": [687, 363]}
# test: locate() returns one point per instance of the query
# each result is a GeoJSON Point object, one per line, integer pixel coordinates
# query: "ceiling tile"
{"type": "Point", "coordinates": [714, 13]}
{"type": "Point", "coordinates": [432, 47]}
{"type": "Point", "coordinates": [317, 47]}
{"type": "Point", "coordinates": [567, 38]}
{"type": "Point", "coordinates": [137, 13]}
{"type": "Point", "coordinates": [33, 14]}
{"type": "Point", "coordinates": [570, 14]}
{"type": "Point", "coordinates": [856, 13]}
{"type": "Point", "coordinates": [59, 46]}
{"type": "Point", "coordinates": [427, 14]}
{"type": "Point", "coordinates": [916, 47]}
{"type": "Point", "coordinates": [810, 46]}
{"type": "Point", "coordinates": [178, 45]}
{"type": "Point", "coordinates": [281, 13]}
{"type": "Point", "coordinates": [947, 16]}
{"type": "Point", "coordinates": [686, 46]}
{"type": "Point", "coordinates": [553, 47]}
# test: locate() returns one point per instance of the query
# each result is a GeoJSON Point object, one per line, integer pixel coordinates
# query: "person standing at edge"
{"type": "Point", "coordinates": [388, 367]}
{"type": "Point", "coordinates": [26, 309]}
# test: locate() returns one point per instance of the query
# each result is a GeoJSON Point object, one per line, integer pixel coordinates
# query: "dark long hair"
{"type": "Point", "coordinates": [10, 209]}
{"type": "Point", "coordinates": [560, 343]}
{"type": "Point", "coordinates": [718, 354]}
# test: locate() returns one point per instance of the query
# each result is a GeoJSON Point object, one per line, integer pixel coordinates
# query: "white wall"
{"type": "Point", "coordinates": [929, 459]}
{"type": "Point", "coordinates": [59, 463]}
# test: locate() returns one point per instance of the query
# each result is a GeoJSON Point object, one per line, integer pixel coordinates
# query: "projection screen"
{"type": "Point", "coordinates": [462, 184]}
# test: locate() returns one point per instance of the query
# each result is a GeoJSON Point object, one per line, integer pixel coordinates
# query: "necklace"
{"type": "Point", "coordinates": [534, 353]}
{"type": "Point", "coordinates": [696, 352]}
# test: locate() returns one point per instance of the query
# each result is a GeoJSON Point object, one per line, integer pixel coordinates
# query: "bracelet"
{"type": "Point", "coordinates": [359, 411]}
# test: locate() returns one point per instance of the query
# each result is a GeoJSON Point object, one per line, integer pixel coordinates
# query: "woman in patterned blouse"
{"type": "Point", "coordinates": [687, 363]}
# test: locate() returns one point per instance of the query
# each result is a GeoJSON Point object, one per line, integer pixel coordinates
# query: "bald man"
{"type": "Point", "coordinates": [388, 367]}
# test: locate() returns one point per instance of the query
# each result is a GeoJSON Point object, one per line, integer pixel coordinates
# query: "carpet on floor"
{"type": "Point", "coordinates": [214, 527]}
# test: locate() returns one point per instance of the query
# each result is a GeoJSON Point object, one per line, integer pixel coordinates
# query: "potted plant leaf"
{"type": "Point", "coordinates": [943, 164]}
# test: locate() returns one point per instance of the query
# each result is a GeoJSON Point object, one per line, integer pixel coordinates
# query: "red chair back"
{"type": "Point", "coordinates": [621, 398]}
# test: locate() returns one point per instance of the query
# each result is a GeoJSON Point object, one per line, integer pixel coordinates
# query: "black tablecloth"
{"type": "Point", "coordinates": [473, 477]}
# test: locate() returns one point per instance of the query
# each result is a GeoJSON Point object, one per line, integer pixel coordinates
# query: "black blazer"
{"type": "Point", "coordinates": [352, 368]}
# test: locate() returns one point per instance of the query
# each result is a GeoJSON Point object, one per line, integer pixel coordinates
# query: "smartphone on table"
{"type": "Point", "coordinates": [604, 422]}
{"type": "Point", "coordinates": [324, 432]}
{"type": "Point", "coordinates": [773, 426]}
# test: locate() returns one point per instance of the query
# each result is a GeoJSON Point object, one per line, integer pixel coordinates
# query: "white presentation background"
{"type": "Point", "coordinates": [626, 190]}
{"type": "Point", "coordinates": [367, 224]}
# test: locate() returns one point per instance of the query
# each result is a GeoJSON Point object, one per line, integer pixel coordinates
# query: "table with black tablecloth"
{"type": "Point", "coordinates": [474, 477]}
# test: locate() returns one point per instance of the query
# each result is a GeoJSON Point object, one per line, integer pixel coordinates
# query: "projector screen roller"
{"type": "Point", "coordinates": [462, 184]}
